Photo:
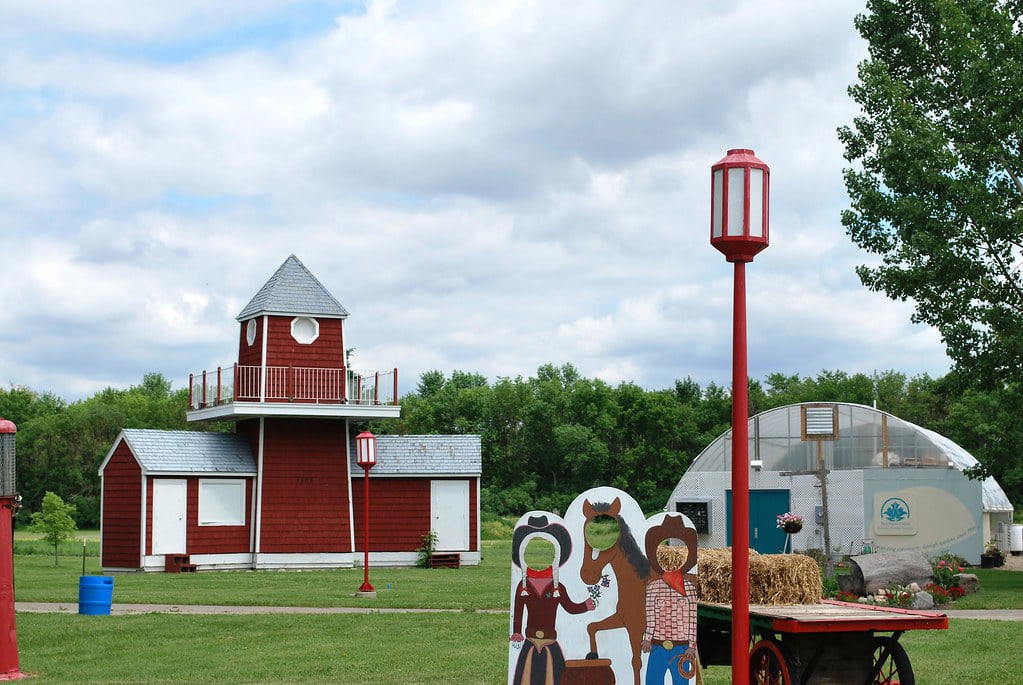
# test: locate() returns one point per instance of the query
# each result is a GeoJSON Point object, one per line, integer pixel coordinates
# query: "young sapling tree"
{"type": "Point", "coordinates": [55, 522]}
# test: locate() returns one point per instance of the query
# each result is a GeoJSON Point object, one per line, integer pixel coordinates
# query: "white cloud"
{"type": "Point", "coordinates": [486, 186]}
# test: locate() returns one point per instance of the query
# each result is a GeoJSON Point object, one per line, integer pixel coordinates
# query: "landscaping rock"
{"type": "Point", "coordinates": [872, 572]}
{"type": "Point", "coordinates": [922, 600]}
{"type": "Point", "coordinates": [969, 582]}
{"type": "Point", "coordinates": [846, 583]}
{"type": "Point", "coordinates": [914, 587]}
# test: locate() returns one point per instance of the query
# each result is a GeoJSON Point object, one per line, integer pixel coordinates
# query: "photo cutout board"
{"type": "Point", "coordinates": [592, 602]}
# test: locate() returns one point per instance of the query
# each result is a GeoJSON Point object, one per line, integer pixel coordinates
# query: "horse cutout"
{"type": "Point", "coordinates": [602, 640]}
{"type": "Point", "coordinates": [631, 568]}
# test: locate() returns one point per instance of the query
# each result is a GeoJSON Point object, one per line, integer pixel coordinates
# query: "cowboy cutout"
{"type": "Point", "coordinates": [541, 661]}
{"type": "Point", "coordinates": [670, 635]}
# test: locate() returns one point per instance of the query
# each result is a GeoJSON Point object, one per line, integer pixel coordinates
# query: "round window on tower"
{"type": "Point", "coordinates": [250, 332]}
{"type": "Point", "coordinates": [305, 329]}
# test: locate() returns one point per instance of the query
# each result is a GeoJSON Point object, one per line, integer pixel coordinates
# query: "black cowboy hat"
{"type": "Point", "coordinates": [540, 524]}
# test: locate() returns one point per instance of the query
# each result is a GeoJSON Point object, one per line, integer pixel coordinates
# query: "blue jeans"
{"type": "Point", "coordinates": [662, 660]}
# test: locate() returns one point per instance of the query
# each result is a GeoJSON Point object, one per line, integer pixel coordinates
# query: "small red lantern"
{"type": "Point", "coordinates": [740, 186]}
{"type": "Point", "coordinates": [366, 457]}
{"type": "Point", "coordinates": [366, 449]}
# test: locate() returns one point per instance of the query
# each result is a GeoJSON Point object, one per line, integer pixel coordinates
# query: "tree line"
{"type": "Point", "coordinates": [550, 436]}
{"type": "Point", "coordinates": [545, 438]}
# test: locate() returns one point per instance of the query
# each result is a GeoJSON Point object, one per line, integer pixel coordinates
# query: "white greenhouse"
{"type": "Point", "coordinates": [890, 485]}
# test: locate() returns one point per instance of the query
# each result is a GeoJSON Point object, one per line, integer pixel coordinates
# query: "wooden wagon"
{"type": "Point", "coordinates": [819, 644]}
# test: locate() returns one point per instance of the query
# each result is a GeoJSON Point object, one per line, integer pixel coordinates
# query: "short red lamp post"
{"type": "Point", "coordinates": [365, 457]}
{"type": "Point", "coordinates": [9, 669]}
{"type": "Point", "coordinates": [739, 229]}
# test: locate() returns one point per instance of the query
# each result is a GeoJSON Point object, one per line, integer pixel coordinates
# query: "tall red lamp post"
{"type": "Point", "coordinates": [739, 229]}
{"type": "Point", "coordinates": [9, 669]}
{"type": "Point", "coordinates": [365, 457]}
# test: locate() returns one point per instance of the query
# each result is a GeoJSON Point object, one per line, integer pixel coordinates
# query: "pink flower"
{"type": "Point", "coordinates": [941, 563]}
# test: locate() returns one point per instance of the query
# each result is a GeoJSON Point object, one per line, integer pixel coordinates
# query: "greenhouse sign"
{"type": "Point", "coordinates": [894, 514]}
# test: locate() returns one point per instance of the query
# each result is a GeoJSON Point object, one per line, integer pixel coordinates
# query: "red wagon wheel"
{"type": "Point", "coordinates": [891, 663]}
{"type": "Point", "coordinates": [770, 663]}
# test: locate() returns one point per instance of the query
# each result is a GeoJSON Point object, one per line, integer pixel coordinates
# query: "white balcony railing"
{"type": "Point", "coordinates": [241, 383]}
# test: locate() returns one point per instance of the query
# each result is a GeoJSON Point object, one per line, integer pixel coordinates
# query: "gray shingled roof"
{"type": "Point", "coordinates": [190, 451]}
{"type": "Point", "coordinates": [425, 455]}
{"type": "Point", "coordinates": [293, 290]}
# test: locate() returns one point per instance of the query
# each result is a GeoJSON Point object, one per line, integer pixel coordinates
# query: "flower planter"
{"type": "Point", "coordinates": [792, 528]}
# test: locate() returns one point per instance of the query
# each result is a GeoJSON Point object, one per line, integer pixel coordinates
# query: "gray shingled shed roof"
{"type": "Point", "coordinates": [293, 290]}
{"type": "Point", "coordinates": [160, 451]}
{"type": "Point", "coordinates": [424, 455]}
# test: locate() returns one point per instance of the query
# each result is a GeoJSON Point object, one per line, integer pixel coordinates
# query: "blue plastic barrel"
{"type": "Point", "coordinates": [95, 595]}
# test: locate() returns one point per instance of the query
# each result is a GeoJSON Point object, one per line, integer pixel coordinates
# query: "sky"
{"type": "Point", "coordinates": [484, 186]}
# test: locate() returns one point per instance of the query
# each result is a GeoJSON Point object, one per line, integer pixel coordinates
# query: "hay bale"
{"type": "Point", "coordinates": [671, 558]}
{"type": "Point", "coordinates": [774, 578]}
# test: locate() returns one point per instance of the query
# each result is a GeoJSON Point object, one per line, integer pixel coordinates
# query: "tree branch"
{"type": "Point", "coordinates": [1010, 276]}
{"type": "Point", "coordinates": [1014, 177]}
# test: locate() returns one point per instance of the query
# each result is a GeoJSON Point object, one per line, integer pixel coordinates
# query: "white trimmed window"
{"type": "Point", "coordinates": [221, 502]}
{"type": "Point", "coordinates": [305, 329]}
{"type": "Point", "coordinates": [250, 332]}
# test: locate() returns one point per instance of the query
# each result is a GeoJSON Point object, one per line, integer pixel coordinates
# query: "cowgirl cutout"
{"type": "Point", "coordinates": [541, 661]}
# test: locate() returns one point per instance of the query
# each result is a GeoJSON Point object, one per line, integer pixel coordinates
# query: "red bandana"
{"type": "Point", "coordinates": [545, 573]}
{"type": "Point", "coordinates": [675, 581]}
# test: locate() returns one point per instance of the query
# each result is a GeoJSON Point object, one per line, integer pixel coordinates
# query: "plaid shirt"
{"type": "Point", "coordinates": [669, 615]}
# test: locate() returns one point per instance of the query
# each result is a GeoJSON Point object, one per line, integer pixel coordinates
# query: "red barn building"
{"type": "Point", "coordinates": [278, 492]}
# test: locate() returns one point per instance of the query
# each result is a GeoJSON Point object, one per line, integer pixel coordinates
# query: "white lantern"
{"type": "Point", "coordinates": [366, 449]}
{"type": "Point", "coordinates": [740, 190]}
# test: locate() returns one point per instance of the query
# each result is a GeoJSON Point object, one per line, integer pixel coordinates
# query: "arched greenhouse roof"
{"type": "Point", "coordinates": [864, 432]}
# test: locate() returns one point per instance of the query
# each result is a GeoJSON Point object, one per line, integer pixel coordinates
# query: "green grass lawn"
{"type": "Point", "coordinates": [378, 648]}
{"type": "Point", "coordinates": [29, 542]}
{"type": "Point", "coordinates": [471, 587]}
{"type": "Point", "coordinates": [91, 534]}
{"type": "Point", "coordinates": [999, 589]}
{"type": "Point", "coordinates": [481, 587]}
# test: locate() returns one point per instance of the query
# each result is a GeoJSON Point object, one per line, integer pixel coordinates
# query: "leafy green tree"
{"type": "Point", "coordinates": [937, 187]}
{"type": "Point", "coordinates": [20, 404]}
{"type": "Point", "coordinates": [55, 522]}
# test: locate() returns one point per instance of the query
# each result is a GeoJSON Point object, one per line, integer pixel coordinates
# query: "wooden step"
{"type": "Point", "coordinates": [178, 563]}
{"type": "Point", "coordinates": [445, 560]}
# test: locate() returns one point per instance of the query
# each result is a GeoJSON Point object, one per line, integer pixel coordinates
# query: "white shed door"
{"type": "Point", "coordinates": [169, 500]}
{"type": "Point", "coordinates": [449, 514]}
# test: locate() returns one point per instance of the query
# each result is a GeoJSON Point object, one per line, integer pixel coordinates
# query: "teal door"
{"type": "Point", "coordinates": [764, 508]}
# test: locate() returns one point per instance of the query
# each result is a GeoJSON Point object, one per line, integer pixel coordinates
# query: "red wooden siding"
{"type": "Point", "coordinates": [122, 509]}
{"type": "Point", "coordinates": [216, 539]}
{"type": "Point", "coordinates": [203, 539]}
{"type": "Point", "coordinates": [251, 355]}
{"type": "Point", "coordinates": [327, 351]}
{"type": "Point", "coordinates": [305, 488]}
{"type": "Point", "coordinates": [474, 507]}
{"type": "Point", "coordinates": [249, 429]}
{"type": "Point", "coordinates": [148, 516]}
{"type": "Point", "coordinates": [399, 509]}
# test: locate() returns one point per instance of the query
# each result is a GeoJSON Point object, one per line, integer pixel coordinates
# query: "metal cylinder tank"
{"type": "Point", "coordinates": [8, 433]}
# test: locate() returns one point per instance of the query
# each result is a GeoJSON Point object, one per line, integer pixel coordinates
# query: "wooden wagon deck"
{"type": "Point", "coordinates": [828, 643]}
{"type": "Point", "coordinates": [829, 616]}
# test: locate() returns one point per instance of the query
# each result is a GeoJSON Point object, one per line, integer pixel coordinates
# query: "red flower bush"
{"type": "Point", "coordinates": [944, 595]}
